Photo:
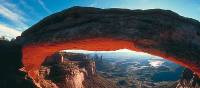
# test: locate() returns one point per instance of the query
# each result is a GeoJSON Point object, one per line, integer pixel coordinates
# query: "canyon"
{"type": "Point", "coordinates": [74, 71]}
{"type": "Point", "coordinates": [155, 31]}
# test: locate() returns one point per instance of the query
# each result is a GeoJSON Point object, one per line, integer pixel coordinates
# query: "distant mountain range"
{"type": "Point", "coordinates": [120, 54]}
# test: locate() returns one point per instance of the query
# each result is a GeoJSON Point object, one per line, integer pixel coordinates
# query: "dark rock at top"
{"type": "Point", "coordinates": [163, 30]}
{"type": "Point", "coordinates": [84, 22]}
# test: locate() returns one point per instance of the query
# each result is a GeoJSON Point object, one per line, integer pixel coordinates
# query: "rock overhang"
{"type": "Point", "coordinates": [159, 32]}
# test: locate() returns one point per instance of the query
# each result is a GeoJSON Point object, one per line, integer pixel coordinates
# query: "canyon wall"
{"type": "Point", "coordinates": [189, 80]}
{"type": "Point", "coordinates": [159, 32]}
{"type": "Point", "coordinates": [77, 73]}
{"type": "Point", "coordinates": [155, 31]}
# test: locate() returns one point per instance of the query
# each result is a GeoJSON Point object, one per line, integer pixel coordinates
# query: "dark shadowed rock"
{"type": "Point", "coordinates": [10, 75]}
{"type": "Point", "coordinates": [189, 80]}
{"type": "Point", "coordinates": [153, 29]}
{"type": "Point", "coordinates": [86, 22]}
{"type": "Point", "coordinates": [162, 30]}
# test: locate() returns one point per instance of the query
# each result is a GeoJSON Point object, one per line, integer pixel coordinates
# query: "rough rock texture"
{"type": "Point", "coordinates": [16, 79]}
{"type": "Point", "coordinates": [83, 22]}
{"type": "Point", "coordinates": [71, 74]}
{"type": "Point", "coordinates": [147, 30]}
{"type": "Point", "coordinates": [155, 31]}
{"type": "Point", "coordinates": [10, 75]}
{"type": "Point", "coordinates": [189, 80]}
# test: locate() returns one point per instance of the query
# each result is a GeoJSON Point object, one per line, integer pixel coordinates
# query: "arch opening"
{"type": "Point", "coordinates": [123, 68]}
{"type": "Point", "coordinates": [34, 54]}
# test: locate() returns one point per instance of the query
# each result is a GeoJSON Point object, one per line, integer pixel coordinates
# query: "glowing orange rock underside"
{"type": "Point", "coordinates": [34, 55]}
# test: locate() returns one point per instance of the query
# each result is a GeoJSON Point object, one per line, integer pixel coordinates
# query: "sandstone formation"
{"type": "Point", "coordinates": [10, 75]}
{"type": "Point", "coordinates": [155, 31]}
{"type": "Point", "coordinates": [159, 32]}
{"type": "Point", "coordinates": [71, 73]}
{"type": "Point", "coordinates": [189, 80]}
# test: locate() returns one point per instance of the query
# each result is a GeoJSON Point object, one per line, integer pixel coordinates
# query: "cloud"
{"type": "Point", "coordinates": [8, 32]}
{"type": "Point", "coordinates": [24, 4]}
{"type": "Point", "coordinates": [44, 6]}
{"type": "Point", "coordinates": [13, 14]}
{"type": "Point", "coordinates": [93, 5]}
{"type": "Point", "coordinates": [156, 63]}
{"type": "Point", "coordinates": [27, 6]}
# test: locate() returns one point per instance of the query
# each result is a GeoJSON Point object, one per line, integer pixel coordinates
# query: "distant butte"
{"type": "Point", "coordinates": [159, 32]}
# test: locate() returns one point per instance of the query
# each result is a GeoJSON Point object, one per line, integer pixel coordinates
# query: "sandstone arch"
{"type": "Point", "coordinates": [158, 32]}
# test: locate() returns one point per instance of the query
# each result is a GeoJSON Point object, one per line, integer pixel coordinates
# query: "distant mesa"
{"type": "Point", "coordinates": [71, 70]}
{"type": "Point", "coordinates": [159, 32]}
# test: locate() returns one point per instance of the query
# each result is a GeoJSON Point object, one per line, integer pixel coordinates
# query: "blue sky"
{"type": "Point", "coordinates": [21, 14]}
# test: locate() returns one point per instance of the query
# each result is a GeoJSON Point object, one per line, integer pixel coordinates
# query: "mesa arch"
{"type": "Point", "coordinates": [158, 32]}
{"type": "Point", "coordinates": [34, 55]}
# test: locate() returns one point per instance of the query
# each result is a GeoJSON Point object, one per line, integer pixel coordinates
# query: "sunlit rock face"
{"type": "Point", "coordinates": [75, 71]}
{"type": "Point", "coordinates": [189, 80]}
{"type": "Point", "coordinates": [158, 32]}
